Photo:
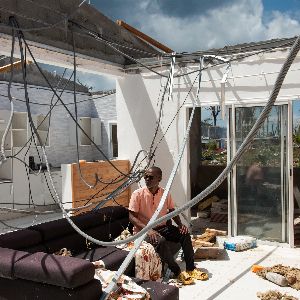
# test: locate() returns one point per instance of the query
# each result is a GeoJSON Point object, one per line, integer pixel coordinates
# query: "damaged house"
{"type": "Point", "coordinates": [188, 113]}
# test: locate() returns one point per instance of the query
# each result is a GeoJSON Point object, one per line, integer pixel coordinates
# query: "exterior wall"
{"type": "Point", "coordinates": [60, 151]}
{"type": "Point", "coordinates": [250, 81]}
{"type": "Point", "coordinates": [137, 110]}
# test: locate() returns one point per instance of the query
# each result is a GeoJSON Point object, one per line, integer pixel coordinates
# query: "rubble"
{"type": "Point", "coordinates": [274, 295]}
{"type": "Point", "coordinates": [292, 275]}
{"type": "Point", "coordinates": [205, 246]}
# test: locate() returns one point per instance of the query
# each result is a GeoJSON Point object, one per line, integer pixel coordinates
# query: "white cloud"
{"type": "Point", "coordinates": [96, 82]}
{"type": "Point", "coordinates": [240, 22]}
{"type": "Point", "coordinates": [281, 25]}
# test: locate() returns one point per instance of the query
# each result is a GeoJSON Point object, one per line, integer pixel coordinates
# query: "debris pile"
{"type": "Point", "coordinates": [126, 287]}
{"type": "Point", "coordinates": [204, 244]}
{"type": "Point", "coordinates": [275, 295]}
{"type": "Point", "coordinates": [292, 275]}
{"type": "Point", "coordinates": [63, 252]}
{"type": "Point", "coordinates": [240, 243]}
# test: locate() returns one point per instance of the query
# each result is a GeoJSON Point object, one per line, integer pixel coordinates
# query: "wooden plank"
{"type": "Point", "coordinates": [144, 37]}
{"type": "Point", "coordinates": [82, 194]}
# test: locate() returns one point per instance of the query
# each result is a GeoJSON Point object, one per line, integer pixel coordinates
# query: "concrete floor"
{"type": "Point", "coordinates": [229, 276]}
{"type": "Point", "coordinates": [26, 221]}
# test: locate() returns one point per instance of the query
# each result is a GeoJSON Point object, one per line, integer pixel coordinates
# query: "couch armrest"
{"type": "Point", "coordinates": [8, 260]}
{"type": "Point", "coordinates": [69, 272]}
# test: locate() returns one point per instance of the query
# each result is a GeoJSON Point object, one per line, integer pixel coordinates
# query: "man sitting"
{"type": "Point", "coordinates": [142, 206]}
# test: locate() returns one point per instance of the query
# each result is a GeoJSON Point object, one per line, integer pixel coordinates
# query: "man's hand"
{"type": "Point", "coordinates": [153, 236]}
{"type": "Point", "coordinates": [183, 229]}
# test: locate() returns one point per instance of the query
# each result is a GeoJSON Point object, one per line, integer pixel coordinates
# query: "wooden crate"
{"type": "Point", "coordinates": [82, 194]}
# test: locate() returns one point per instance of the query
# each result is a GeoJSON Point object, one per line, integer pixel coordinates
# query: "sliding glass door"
{"type": "Point", "coordinates": [259, 184]}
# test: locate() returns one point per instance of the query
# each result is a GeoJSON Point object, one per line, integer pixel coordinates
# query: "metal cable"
{"type": "Point", "coordinates": [225, 172]}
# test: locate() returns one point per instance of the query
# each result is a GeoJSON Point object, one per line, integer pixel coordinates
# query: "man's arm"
{"type": "Point", "coordinates": [133, 218]}
{"type": "Point", "coordinates": [182, 228]}
{"type": "Point", "coordinates": [140, 225]}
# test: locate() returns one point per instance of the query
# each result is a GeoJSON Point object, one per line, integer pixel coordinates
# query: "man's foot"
{"type": "Point", "coordinates": [185, 278]}
{"type": "Point", "coordinates": [197, 274]}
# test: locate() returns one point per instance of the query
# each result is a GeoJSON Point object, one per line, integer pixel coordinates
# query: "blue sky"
{"type": "Point", "coordinates": [191, 25]}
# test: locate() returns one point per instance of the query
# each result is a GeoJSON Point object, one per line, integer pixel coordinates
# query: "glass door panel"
{"type": "Point", "coordinates": [296, 168]}
{"type": "Point", "coordinates": [260, 175]}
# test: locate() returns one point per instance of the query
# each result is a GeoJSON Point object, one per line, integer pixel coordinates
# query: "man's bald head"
{"type": "Point", "coordinates": [156, 170]}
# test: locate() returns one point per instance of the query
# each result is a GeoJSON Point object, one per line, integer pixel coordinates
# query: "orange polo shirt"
{"type": "Point", "coordinates": [144, 203]}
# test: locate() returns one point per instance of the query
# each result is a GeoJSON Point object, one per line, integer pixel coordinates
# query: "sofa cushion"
{"type": "Point", "coordinates": [63, 271]}
{"type": "Point", "coordinates": [73, 242]}
{"type": "Point", "coordinates": [20, 289]}
{"type": "Point", "coordinates": [77, 244]}
{"type": "Point", "coordinates": [53, 229]}
{"type": "Point", "coordinates": [35, 248]}
{"type": "Point", "coordinates": [101, 216]}
{"type": "Point", "coordinates": [61, 227]}
{"type": "Point", "coordinates": [159, 291]}
{"type": "Point", "coordinates": [115, 259]}
{"type": "Point", "coordinates": [97, 253]}
{"type": "Point", "coordinates": [20, 239]}
{"type": "Point", "coordinates": [8, 259]}
{"type": "Point", "coordinates": [109, 231]}
{"type": "Point", "coordinates": [111, 256]}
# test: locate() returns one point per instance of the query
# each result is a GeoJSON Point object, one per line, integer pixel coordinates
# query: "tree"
{"type": "Point", "coordinates": [215, 110]}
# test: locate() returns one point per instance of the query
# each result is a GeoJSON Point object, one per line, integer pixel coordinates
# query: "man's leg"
{"type": "Point", "coordinates": [171, 233]}
{"type": "Point", "coordinates": [165, 254]}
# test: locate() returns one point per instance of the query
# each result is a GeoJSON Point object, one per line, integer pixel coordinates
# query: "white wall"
{"type": "Point", "coordinates": [60, 150]}
{"type": "Point", "coordinates": [137, 110]}
{"type": "Point", "coordinates": [249, 81]}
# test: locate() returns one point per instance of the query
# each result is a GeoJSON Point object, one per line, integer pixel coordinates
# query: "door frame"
{"type": "Point", "coordinates": [232, 201]}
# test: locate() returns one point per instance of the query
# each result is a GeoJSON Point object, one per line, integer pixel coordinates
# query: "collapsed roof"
{"type": "Point", "coordinates": [51, 23]}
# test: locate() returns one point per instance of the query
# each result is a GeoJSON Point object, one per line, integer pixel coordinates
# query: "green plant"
{"type": "Point", "coordinates": [212, 145]}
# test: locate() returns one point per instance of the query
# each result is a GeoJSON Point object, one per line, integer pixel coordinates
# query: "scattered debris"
{"type": "Point", "coordinates": [208, 252]}
{"type": "Point", "coordinates": [99, 264]}
{"type": "Point", "coordinates": [292, 275]}
{"type": "Point", "coordinates": [275, 295]}
{"type": "Point", "coordinates": [207, 203]}
{"type": "Point", "coordinates": [277, 279]}
{"type": "Point", "coordinates": [209, 236]}
{"type": "Point", "coordinates": [256, 268]}
{"type": "Point", "coordinates": [204, 244]}
{"type": "Point", "coordinates": [240, 243]}
{"type": "Point", "coordinates": [175, 282]}
{"type": "Point", "coordinates": [63, 252]}
{"type": "Point", "coordinates": [126, 287]}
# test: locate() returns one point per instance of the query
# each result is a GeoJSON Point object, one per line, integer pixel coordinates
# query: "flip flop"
{"type": "Point", "coordinates": [185, 278]}
{"type": "Point", "coordinates": [198, 275]}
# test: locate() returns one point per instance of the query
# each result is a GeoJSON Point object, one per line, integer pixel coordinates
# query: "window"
{"type": "Point", "coordinates": [114, 139]}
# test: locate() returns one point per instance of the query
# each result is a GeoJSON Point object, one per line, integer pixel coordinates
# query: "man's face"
{"type": "Point", "coordinates": [152, 178]}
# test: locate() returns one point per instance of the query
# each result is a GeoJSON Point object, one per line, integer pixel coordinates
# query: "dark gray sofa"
{"type": "Point", "coordinates": [30, 270]}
